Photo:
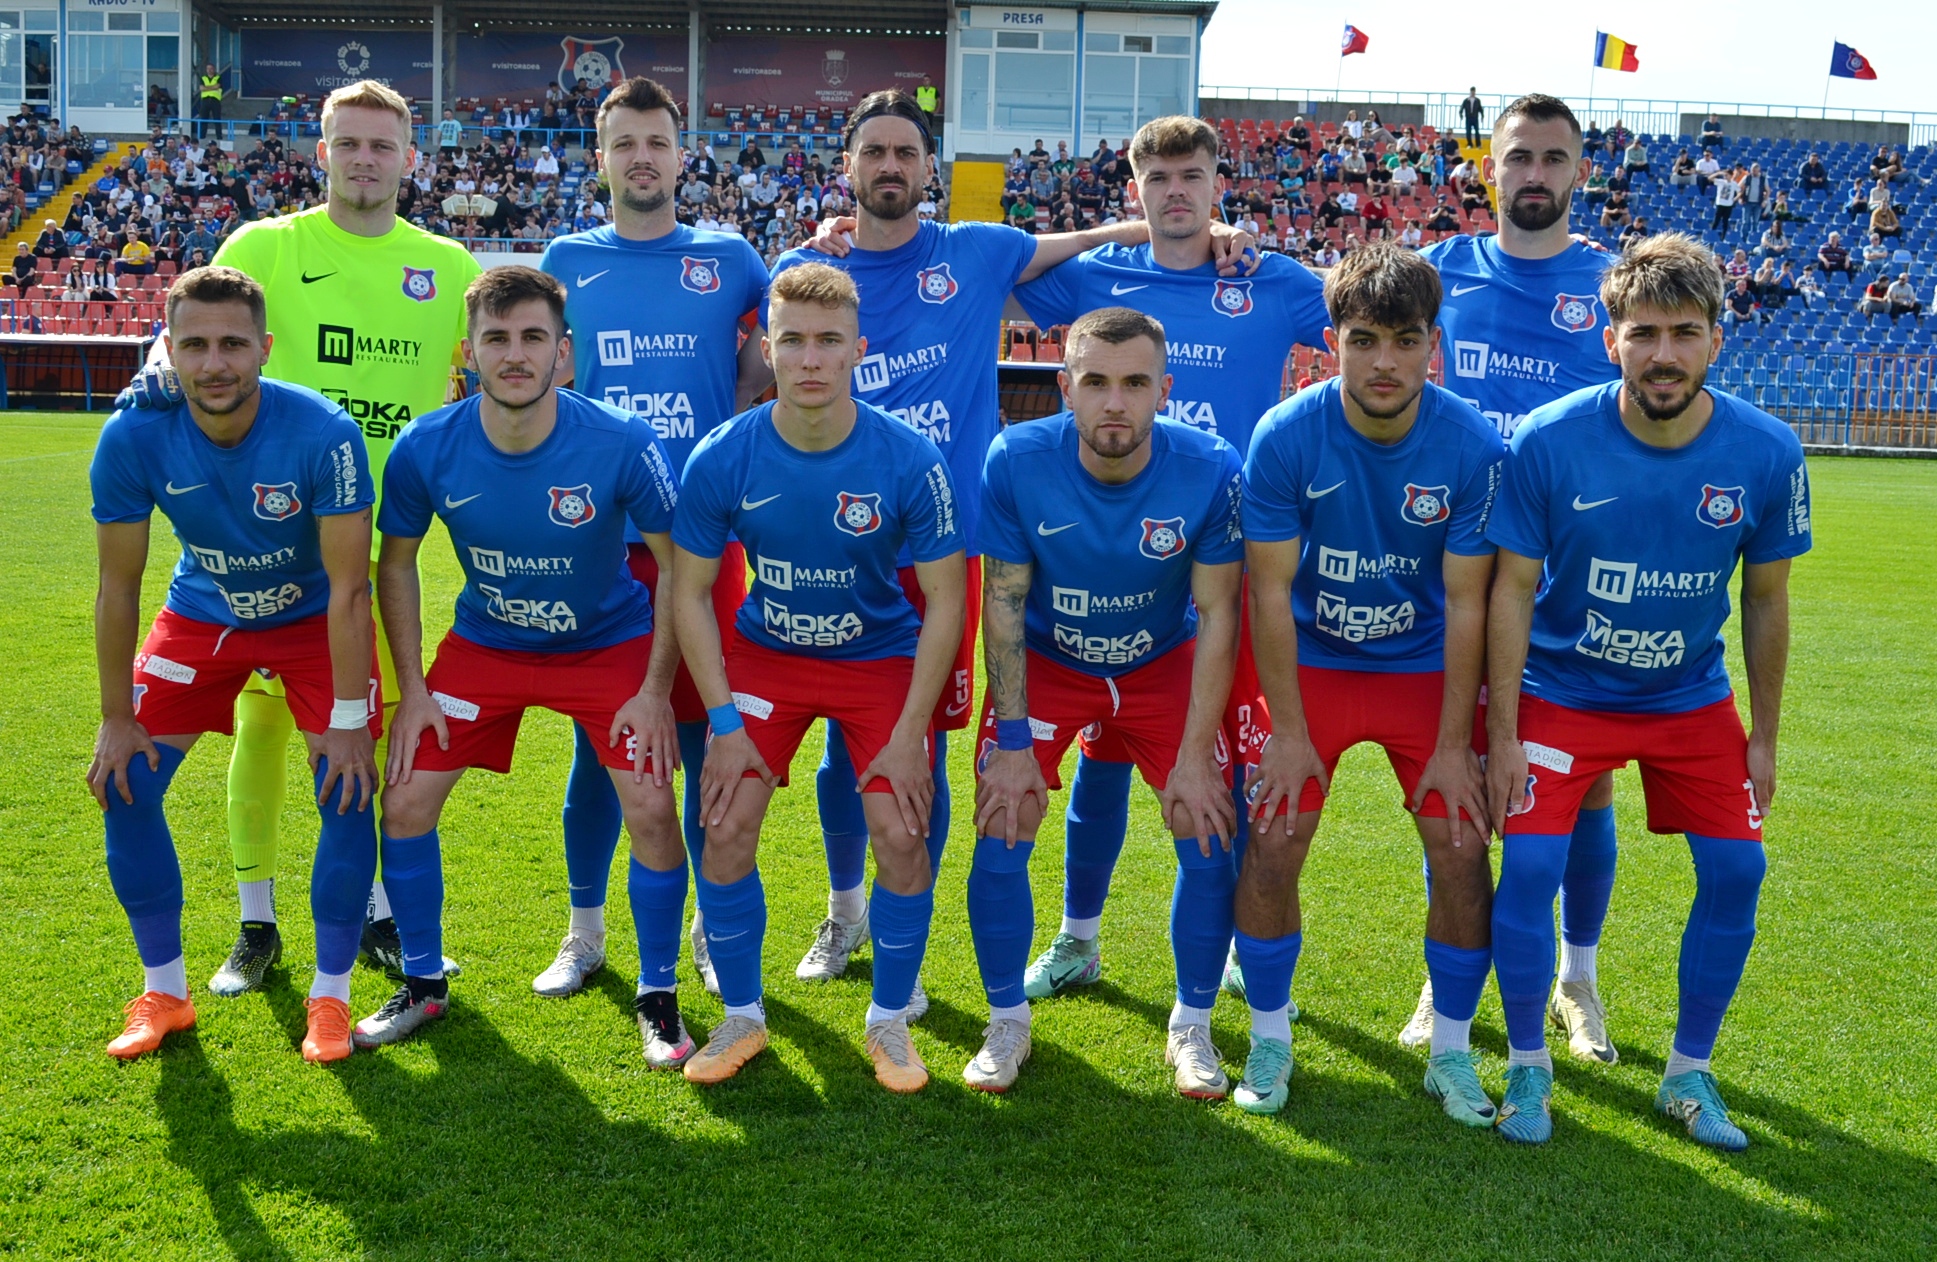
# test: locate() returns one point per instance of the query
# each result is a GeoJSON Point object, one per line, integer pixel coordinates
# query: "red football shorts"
{"type": "Point", "coordinates": [952, 709]}
{"type": "Point", "coordinates": [779, 695]}
{"type": "Point", "coordinates": [484, 693]}
{"type": "Point", "coordinates": [1694, 767]}
{"type": "Point", "coordinates": [189, 673]}
{"type": "Point", "coordinates": [729, 593]}
{"type": "Point", "coordinates": [1397, 711]}
{"type": "Point", "coordinates": [1140, 713]}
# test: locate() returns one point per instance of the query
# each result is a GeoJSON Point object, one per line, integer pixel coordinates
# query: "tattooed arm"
{"type": "Point", "coordinates": [1010, 793]}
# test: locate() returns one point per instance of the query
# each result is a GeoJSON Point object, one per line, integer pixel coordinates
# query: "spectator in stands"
{"type": "Point", "coordinates": [1299, 136]}
{"type": "Point", "coordinates": [1738, 267]}
{"type": "Point", "coordinates": [1834, 256]}
{"type": "Point", "coordinates": [1782, 212]}
{"type": "Point", "coordinates": [1635, 158]}
{"type": "Point", "coordinates": [1727, 194]}
{"type": "Point", "coordinates": [1405, 177]}
{"type": "Point", "coordinates": [51, 244]}
{"type": "Point", "coordinates": [1471, 113]}
{"type": "Point", "coordinates": [200, 238]}
{"type": "Point", "coordinates": [1042, 184]}
{"type": "Point", "coordinates": [1411, 237]}
{"type": "Point", "coordinates": [1884, 221]}
{"type": "Point", "coordinates": [1615, 212]}
{"type": "Point", "coordinates": [1775, 243]}
{"type": "Point", "coordinates": [1022, 213]}
{"type": "Point", "coordinates": [1377, 216]}
{"type": "Point", "coordinates": [137, 256]}
{"type": "Point", "coordinates": [1880, 194]}
{"type": "Point", "coordinates": [1767, 291]}
{"type": "Point", "coordinates": [101, 284]}
{"type": "Point", "coordinates": [1682, 173]}
{"type": "Point", "coordinates": [1378, 174]}
{"type": "Point", "coordinates": [1813, 174]}
{"type": "Point", "coordinates": [1712, 132]}
{"type": "Point", "coordinates": [1858, 205]}
{"type": "Point", "coordinates": [1904, 301]}
{"type": "Point", "coordinates": [1635, 231]}
{"type": "Point", "coordinates": [1327, 212]}
{"type": "Point", "coordinates": [1876, 298]}
{"type": "Point", "coordinates": [24, 268]}
{"type": "Point", "coordinates": [1593, 137]}
{"type": "Point", "coordinates": [450, 136]}
{"type": "Point", "coordinates": [1876, 254]}
{"type": "Point", "coordinates": [1810, 286]}
{"type": "Point", "coordinates": [73, 287]}
{"type": "Point", "coordinates": [1787, 283]}
{"type": "Point", "coordinates": [1444, 218]}
{"type": "Point", "coordinates": [1739, 305]}
{"type": "Point", "coordinates": [1596, 191]}
{"type": "Point", "coordinates": [1375, 132]}
{"type": "Point", "coordinates": [1326, 255]}
{"type": "Point", "coordinates": [1754, 187]}
{"type": "Point", "coordinates": [1352, 164]}
{"type": "Point", "coordinates": [1617, 138]}
{"type": "Point", "coordinates": [1886, 164]}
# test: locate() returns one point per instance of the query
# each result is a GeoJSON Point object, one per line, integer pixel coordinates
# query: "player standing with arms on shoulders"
{"type": "Point", "coordinates": [269, 491]}
{"type": "Point", "coordinates": [825, 492]}
{"type": "Point", "coordinates": [1521, 326]}
{"type": "Point", "coordinates": [1365, 500]}
{"type": "Point", "coordinates": [368, 310]}
{"type": "Point", "coordinates": [1228, 339]}
{"type": "Point", "coordinates": [677, 360]}
{"type": "Point", "coordinates": [535, 485]}
{"type": "Point", "coordinates": [1113, 566]}
{"type": "Point", "coordinates": [1623, 514]}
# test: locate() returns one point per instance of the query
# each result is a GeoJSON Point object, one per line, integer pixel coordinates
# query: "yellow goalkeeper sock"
{"type": "Point", "coordinates": [258, 774]}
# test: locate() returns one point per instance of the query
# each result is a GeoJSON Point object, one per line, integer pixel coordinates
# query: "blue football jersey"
{"type": "Point", "coordinates": [1519, 333]}
{"type": "Point", "coordinates": [1111, 587]}
{"type": "Point", "coordinates": [245, 515]}
{"type": "Point", "coordinates": [932, 313]}
{"type": "Point", "coordinates": [822, 529]}
{"type": "Point", "coordinates": [540, 534]}
{"type": "Point", "coordinates": [1374, 523]}
{"type": "Point", "coordinates": [656, 324]}
{"type": "Point", "coordinates": [1227, 338]}
{"type": "Point", "coordinates": [1640, 544]}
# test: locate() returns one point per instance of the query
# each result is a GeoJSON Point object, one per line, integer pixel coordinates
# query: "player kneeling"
{"type": "Point", "coordinates": [535, 485]}
{"type": "Point", "coordinates": [824, 492]}
{"type": "Point", "coordinates": [1364, 503]}
{"type": "Point", "coordinates": [268, 488]}
{"type": "Point", "coordinates": [1624, 511]}
{"type": "Point", "coordinates": [1110, 602]}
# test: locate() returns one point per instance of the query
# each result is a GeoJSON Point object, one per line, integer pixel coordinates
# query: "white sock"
{"type": "Point", "coordinates": [589, 923]}
{"type": "Point", "coordinates": [170, 978]}
{"type": "Point", "coordinates": [647, 990]}
{"type": "Point", "coordinates": [1450, 1035]}
{"type": "Point", "coordinates": [1577, 963]}
{"type": "Point", "coordinates": [1014, 1012]}
{"type": "Point", "coordinates": [330, 986]}
{"type": "Point", "coordinates": [1084, 930]}
{"type": "Point", "coordinates": [1275, 1024]}
{"type": "Point", "coordinates": [878, 1014]}
{"type": "Point", "coordinates": [1679, 1064]}
{"type": "Point", "coordinates": [258, 900]}
{"type": "Point", "coordinates": [1539, 1056]}
{"type": "Point", "coordinates": [846, 905]}
{"type": "Point", "coordinates": [755, 1011]}
{"type": "Point", "coordinates": [379, 902]}
{"type": "Point", "coordinates": [1183, 1018]}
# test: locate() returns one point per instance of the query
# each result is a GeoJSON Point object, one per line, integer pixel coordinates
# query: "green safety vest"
{"type": "Point", "coordinates": [211, 86]}
{"type": "Point", "coordinates": [925, 97]}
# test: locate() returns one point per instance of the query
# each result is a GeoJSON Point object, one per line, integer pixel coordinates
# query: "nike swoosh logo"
{"type": "Point", "coordinates": [1581, 508]}
{"type": "Point", "coordinates": [954, 710]}
{"type": "Point", "coordinates": [172, 489]}
{"type": "Point", "coordinates": [311, 280]}
{"type": "Point", "coordinates": [451, 503]}
{"type": "Point", "coordinates": [750, 505]}
{"type": "Point", "coordinates": [893, 946]}
{"type": "Point", "coordinates": [583, 281]}
{"type": "Point", "coordinates": [728, 937]}
{"type": "Point", "coordinates": [1117, 291]}
{"type": "Point", "coordinates": [252, 867]}
{"type": "Point", "coordinates": [1315, 494]}
{"type": "Point", "coordinates": [1042, 528]}
{"type": "Point", "coordinates": [1466, 289]}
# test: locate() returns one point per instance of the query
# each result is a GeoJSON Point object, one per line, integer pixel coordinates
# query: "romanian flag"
{"type": "Point", "coordinates": [1613, 54]}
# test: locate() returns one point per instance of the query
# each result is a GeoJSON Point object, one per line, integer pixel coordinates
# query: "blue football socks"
{"type": "Point", "coordinates": [413, 877]}
{"type": "Point", "coordinates": [1588, 882]}
{"type": "Point", "coordinates": [1002, 917]}
{"type": "Point", "coordinates": [658, 913]}
{"type": "Point", "coordinates": [142, 865]}
{"type": "Point", "coordinates": [900, 926]}
{"type": "Point", "coordinates": [1721, 929]}
{"type": "Point", "coordinates": [1201, 920]}
{"type": "Point", "coordinates": [736, 927]}
{"type": "Point", "coordinates": [339, 882]}
{"type": "Point", "coordinates": [1095, 823]}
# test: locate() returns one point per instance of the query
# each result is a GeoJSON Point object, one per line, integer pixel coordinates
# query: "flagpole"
{"type": "Point", "coordinates": [1339, 78]}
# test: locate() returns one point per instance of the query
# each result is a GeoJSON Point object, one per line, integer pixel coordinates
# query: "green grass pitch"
{"type": "Point", "coordinates": [526, 1127]}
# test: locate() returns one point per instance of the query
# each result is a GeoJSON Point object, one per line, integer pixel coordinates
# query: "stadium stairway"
{"type": "Point", "coordinates": [975, 192]}
{"type": "Point", "coordinates": [31, 222]}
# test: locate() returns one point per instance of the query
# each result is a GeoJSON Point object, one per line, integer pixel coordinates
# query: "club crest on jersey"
{"type": "Point", "coordinates": [572, 505]}
{"type": "Point", "coordinates": [981, 755]}
{"type": "Point", "coordinates": [141, 690]}
{"type": "Point", "coordinates": [1721, 506]}
{"type": "Point", "coordinates": [702, 276]}
{"type": "Point", "coordinates": [420, 283]}
{"type": "Point", "coordinates": [935, 284]}
{"type": "Point", "coordinates": [1574, 313]}
{"type": "Point", "coordinates": [277, 500]}
{"type": "Point", "coordinates": [1232, 298]}
{"type": "Point", "coordinates": [1162, 539]}
{"type": "Point", "coordinates": [858, 514]}
{"type": "Point", "coordinates": [1427, 505]}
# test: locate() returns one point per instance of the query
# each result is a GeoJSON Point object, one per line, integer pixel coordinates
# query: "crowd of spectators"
{"type": "Point", "coordinates": [36, 151]}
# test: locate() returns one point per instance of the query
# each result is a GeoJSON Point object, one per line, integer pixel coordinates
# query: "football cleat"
{"type": "Point", "coordinates": [702, 956]}
{"type": "Point", "coordinates": [917, 1004]}
{"type": "Point", "coordinates": [1068, 962]}
{"type": "Point", "coordinates": [732, 1043]}
{"type": "Point", "coordinates": [1199, 1075]}
{"type": "Point", "coordinates": [1233, 982]}
{"type": "Point", "coordinates": [577, 960]}
{"type": "Point", "coordinates": [258, 948]}
{"type": "Point", "coordinates": [1266, 1084]}
{"type": "Point", "coordinates": [1005, 1046]}
{"type": "Point", "coordinates": [151, 1017]}
{"type": "Point", "coordinates": [1577, 1011]}
{"type": "Point", "coordinates": [1527, 1109]}
{"type": "Point", "coordinates": [834, 941]}
{"type": "Point", "coordinates": [401, 1016]}
{"type": "Point", "coordinates": [382, 948]}
{"type": "Point", "coordinates": [1695, 1100]}
{"type": "Point", "coordinates": [1419, 1030]}
{"type": "Point", "coordinates": [661, 1030]}
{"type": "Point", "coordinates": [328, 1035]}
{"type": "Point", "coordinates": [1452, 1080]}
{"type": "Point", "coordinates": [897, 1065]}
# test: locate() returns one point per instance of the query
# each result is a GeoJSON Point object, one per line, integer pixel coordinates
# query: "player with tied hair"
{"type": "Point", "coordinates": [824, 491]}
{"type": "Point", "coordinates": [1366, 499]}
{"type": "Point", "coordinates": [1113, 559]}
{"type": "Point", "coordinates": [1622, 516]}
{"type": "Point", "coordinates": [680, 361]}
{"type": "Point", "coordinates": [268, 488]}
{"type": "Point", "coordinates": [535, 484]}
{"type": "Point", "coordinates": [369, 310]}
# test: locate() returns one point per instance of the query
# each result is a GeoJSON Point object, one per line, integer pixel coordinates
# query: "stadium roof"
{"type": "Point", "coordinates": [917, 17]}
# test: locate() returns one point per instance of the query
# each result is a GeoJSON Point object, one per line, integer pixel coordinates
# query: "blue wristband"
{"type": "Point", "coordinates": [1013, 735]}
{"type": "Point", "coordinates": [724, 719]}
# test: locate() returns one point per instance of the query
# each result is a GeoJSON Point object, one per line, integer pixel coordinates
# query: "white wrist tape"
{"type": "Point", "coordinates": [349, 715]}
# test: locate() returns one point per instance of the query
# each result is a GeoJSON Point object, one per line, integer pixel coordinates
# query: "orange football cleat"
{"type": "Point", "coordinates": [151, 1017]}
{"type": "Point", "coordinates": [328, 1036]}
